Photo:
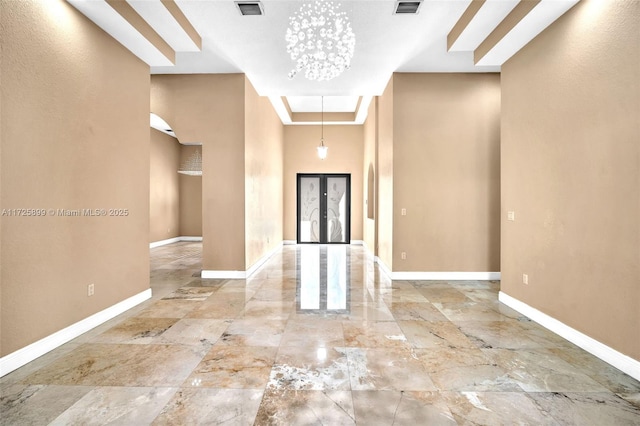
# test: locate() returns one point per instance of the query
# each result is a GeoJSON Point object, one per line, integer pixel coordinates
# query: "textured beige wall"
{"type": "Point", "coordinates": [384, 220]}
{"type": "Point", "coordinates": [345, 156]}
{"type": "Point", "coordinates": [369, 176]}
{"type": "Point", "coordinates": [164, 188]}
{"type": "Point", "coordinates": [571, 172]}
{"type": "Point", "coordinates": [209, 108]}
{"type": "Point", "coordinates": [263, 176]}
{"type": "Point", "coordinates": [446, 174]}
{"type": "Point", "coordinates": [190, 198]}
{"type": "Point", "coordinates": [75, 135]}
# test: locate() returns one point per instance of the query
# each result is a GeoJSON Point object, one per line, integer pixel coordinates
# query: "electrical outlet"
{"type": "Point", "coordinates": [525, 279]}
{"type": "Point", "coordinates": [403, 212]}
{"type": "Point", "coordinates": [403, 255]}
{"type": "Point", "coordinates": [511, 215]}
{"type": "Point", "coordinates": [90, 289]}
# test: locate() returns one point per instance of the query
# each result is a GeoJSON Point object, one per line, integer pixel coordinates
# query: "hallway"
{"type": "Point", "coordinates": [317, 336]}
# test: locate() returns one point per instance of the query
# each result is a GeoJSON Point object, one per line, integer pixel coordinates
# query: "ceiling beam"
{"type": "Point", "coordinates": [182, 20]}
{"type": "Point", "coordinates": [125, 10]}
{"type": "Point", "coordinates": [463, 22]}
{"type": "Point", "coordinates": [517, 14]}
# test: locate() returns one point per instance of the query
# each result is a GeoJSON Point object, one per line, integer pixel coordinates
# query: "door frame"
{"type": "Point", "coordinates": [323, 206]}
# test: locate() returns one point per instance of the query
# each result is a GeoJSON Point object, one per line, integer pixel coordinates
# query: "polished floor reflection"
{"type": "Point", "coordinates": [316, 337]}
{"type": "Point", "coordinates": [323, 278]}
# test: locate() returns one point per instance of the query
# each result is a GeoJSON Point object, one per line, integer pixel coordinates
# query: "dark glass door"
{"type": "Point", "coordinates": [324, 208]}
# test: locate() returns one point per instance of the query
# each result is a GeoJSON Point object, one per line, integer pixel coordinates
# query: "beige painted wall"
{"type": "Point", "coordinates": [571, 172]}
{"type": "Point", "coordinates": [446, 174]}
{"type": "Point", "coordinates": [164, 188]}
{"type": "Point", "coordinates": [369, 177]}
{"type": "Point", "coordinates": [209, 108]}
{"type": "Point", "coordinates": [345, 156]}
{"type": "Point", "coordinates": [190, 197]}
{"type": "Point", "coordinates": [263, 176]}
{"type": "Point", "coordinates": [384, 220]}
{"type": "Point", "coordinates": [75, 135]}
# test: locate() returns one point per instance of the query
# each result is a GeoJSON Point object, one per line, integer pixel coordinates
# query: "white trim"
{"type": "Point", "coordinates": [173, 240]}
{"type": "Point", "coordinates": [263, 259]}
{"type": "Point", "coordinates": [367, 249]}
{"type": "Point", "coordinates": [238, 275]}
{"type": "Point", "coordinates": [294, 242]}
{"type": "Point", "coordinates": [446, 276]}
{"type": "Point", "coordinates": [440, 276]}
{"type": "Point", "coordinates": [227, 275]}
{"type": "Point", "coordinates": [35, 350]}
{"type": "Point", "coordinates": [383, 267]}
{"type": "Point", "coordinates": [164, 242]}
{"type": "Point", "coordinates": [619, 360]}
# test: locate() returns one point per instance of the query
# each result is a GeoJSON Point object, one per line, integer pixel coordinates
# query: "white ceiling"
{"type": "Point", "coordinates": [385, 43]}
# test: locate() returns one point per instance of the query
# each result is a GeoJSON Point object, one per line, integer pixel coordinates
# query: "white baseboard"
{"type": "Point", "coordinates": [609, 355]}
{"type": "Point", "coordinates": [437, 276]}
{"type": "Point", "coordinates": [446, 276]}
{"type": "Point", "coordinates": [173, 240]}
{"type": "Point", "coordinates": [263, 259]}
{"type": "Point", "coordinates": [294, 242]}
{"type": "Point", "coordinates": [367, 249]}
{"type": "Point", "coordinates": [383, 267]}
{"type": "Point", "coordinates": [164, 242]}
{"type": "Point", "coordinates": [223, 275]}
{"type": "Point", "coordinates": [238, 275]}
{"type": "Point", "coordinates": [17, 359]}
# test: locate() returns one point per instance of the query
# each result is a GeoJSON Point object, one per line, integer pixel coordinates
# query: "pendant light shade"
{"type": "Point", "coordinates": [322, 152]}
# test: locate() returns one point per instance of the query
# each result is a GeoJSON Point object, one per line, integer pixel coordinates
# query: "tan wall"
{"type": "Point", "coordinates": [384, 218]}
{"type": "Point", "coordinates": [209, 108]}
{"type": "Point", "coordinates": [369, 176]}
{"type": "Point", "coordinates": [446, 174]}
{"type": "Point", "coordinates": [164, 188]}
{"type": "Point", "coordinates": [190, 197]}
{"type": "Point", "coordinates": [263, 176]}
{"type": "Point", "coordinates": [345, 156]}
{"type": "Point", "coordinates": [75, 134]}
{"type": "Point", "coordinates": [571, 172]}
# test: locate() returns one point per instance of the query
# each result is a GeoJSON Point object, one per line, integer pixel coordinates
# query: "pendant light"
{"type": "Point", "coordinates": [322, 149]}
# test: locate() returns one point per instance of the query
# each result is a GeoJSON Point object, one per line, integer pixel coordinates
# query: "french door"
{"type": "Point", "coordinates": [324, 208]}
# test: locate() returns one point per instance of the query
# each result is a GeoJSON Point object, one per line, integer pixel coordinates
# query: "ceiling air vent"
{"type": "Point", "coordinates": [250, 7]}
{"type": "Point", "coordinates": [403, 7]}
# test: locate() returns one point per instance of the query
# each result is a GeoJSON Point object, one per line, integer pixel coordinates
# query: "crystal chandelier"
{"type": "Point", "coordinates": [320, 40]}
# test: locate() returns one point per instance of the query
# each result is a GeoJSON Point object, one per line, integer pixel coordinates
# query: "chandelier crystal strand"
{"type": "Point", "coordinates": [320, 40]}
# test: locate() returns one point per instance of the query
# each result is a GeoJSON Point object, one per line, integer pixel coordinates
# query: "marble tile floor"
{"type": "Point", "coordinates": [333, 343]}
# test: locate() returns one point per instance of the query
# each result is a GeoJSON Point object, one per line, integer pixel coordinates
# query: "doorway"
{"type": "Point", "coordinates": [324, 208]}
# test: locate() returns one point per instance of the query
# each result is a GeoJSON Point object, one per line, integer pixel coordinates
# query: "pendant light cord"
{"type": "Point", "coordinates": [322, 120]}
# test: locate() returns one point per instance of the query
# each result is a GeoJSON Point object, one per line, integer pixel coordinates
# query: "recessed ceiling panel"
{"type": "Point", "coordinates": [331, 103]}
{"type": "Point", "coordinates": [385, 43]}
